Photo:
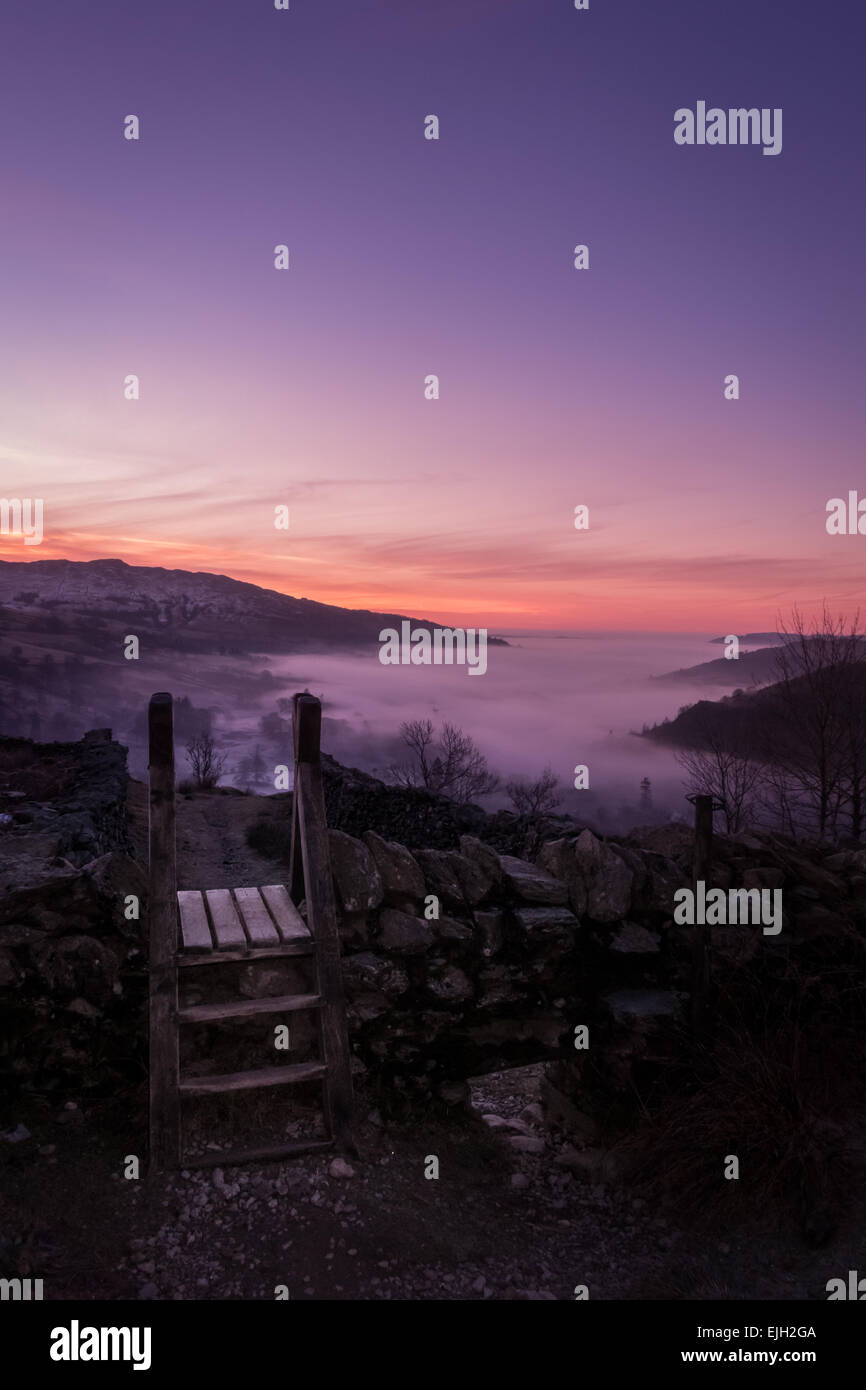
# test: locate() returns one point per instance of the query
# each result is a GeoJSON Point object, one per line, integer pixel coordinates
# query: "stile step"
{"type": "Point", "coordinates": [250, 953]}
{"type": "Point", "coordinates": [248, 1008]}
{"type": "Point", "coordinates": [251, 1080]}
{"type": "Point", "coordinates": [266, 1153]}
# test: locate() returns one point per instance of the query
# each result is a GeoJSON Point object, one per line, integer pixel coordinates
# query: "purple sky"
{"type": "Point", "coordinates": [410, 257]}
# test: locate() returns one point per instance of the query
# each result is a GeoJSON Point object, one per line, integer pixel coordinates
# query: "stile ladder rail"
{"type": "Point", "coordinates": [310, 836]}
{"type": "Point", "coordinates": [162, 908]}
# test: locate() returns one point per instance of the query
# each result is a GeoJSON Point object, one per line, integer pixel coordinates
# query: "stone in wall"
{"type": "Point", "coordinates": [402, 879]}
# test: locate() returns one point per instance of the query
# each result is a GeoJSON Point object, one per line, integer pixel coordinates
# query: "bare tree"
{"type": "Point", "coordinates": [207, 765]}
{"type": "Point", "coordinates": [451, 764]}
{"type": "Point", "coordinates": [417, 734]}
{"type": "Point", "coordinates": [714, 770]}
{"type": "Point", "coordinates": [536, 798]}
{"type": "Point", "coordinates": [779, 803]}
{"type": "Point", "coordinates": [817, 694]}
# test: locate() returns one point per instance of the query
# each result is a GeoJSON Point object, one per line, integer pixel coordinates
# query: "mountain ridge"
{"type": "Point", "coordinates": [198, 602]}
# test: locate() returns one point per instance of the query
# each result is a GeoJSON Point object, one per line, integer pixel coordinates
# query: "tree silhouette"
{"type": "Point", "coordinates": [449, 763]}
{"type": "Point", "coordinates": [207, 765]}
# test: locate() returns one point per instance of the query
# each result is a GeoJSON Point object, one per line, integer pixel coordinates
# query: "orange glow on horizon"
{"type": "Point", "coordinates": [606, 603]}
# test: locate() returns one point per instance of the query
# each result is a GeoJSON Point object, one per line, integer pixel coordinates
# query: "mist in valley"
{"type": "Point", "coordinates": [545, 700]}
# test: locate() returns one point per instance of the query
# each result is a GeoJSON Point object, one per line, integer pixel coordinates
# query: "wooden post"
{"type": "Point", "coordinates": [701, 943]}
{"type": "Point", "coordinates": [164, 1068]}
{"type": "Point", "coordinates": [309, 801]}
{"type": "Point", "coordinates": [296, 866]}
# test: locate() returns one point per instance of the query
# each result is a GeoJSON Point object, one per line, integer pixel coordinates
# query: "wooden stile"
{"type": "Point", "coordinates": [221, 925]}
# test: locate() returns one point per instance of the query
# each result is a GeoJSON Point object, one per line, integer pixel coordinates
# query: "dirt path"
{"type": "Point", "coordinates": [212, 851]}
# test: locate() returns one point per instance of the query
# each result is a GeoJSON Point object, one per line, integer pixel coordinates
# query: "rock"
{"type": "Point", "coordinates": [19, 934]}
{"type": "Point", "coordinates": [828, 885]}
{"type": "Point", "coordinates": [763, 877]}
{"type": "Point", "coordinates": [72, 1118]}
{"type": "Point", "coordinates": [736, 944]}
{"type": "Point", "coordinates": [473, 879]}
{"type": "Point", "coordinates": [555, 926]}
{"type": "Point", "coordinates": [532, 1114]}
{"type": "Point", "coordinates": [82, 1007]}
{"type": "Point", "coordinates": [148, 1291]}
{"type": "Point", "coordinates": [339, 1168]}
{"type": "Point", "coordinates": [403, 934]}
{"type": "Point", "coordinates": [16, 1135]}
{"type": "Point", "coordinates": [9, 971]}
{"type": "Point", "coordinates": [356, 878]}
{"type": "Point", "coordinates": [486, 860]}
{"type": "Point", "coordinates": [364, 1008]}
{"type": "Point", "coordinates": [534, 1027]}
{"type": "Point", "coordinates": [520, 1126]}
{"type": "Point", "coordinates": [633, 940]}
{"type": "Point", "coordinates": [526, 1144]}
{"type": "Point", "coordinates": [402, 879]}
{"type": "Point", "coordinates": [586, 1163]}
{"type": "Point", "coordinates": [662, 879]}
{"type": "Point", "coordinates": [77, 966]}
{"type": "Point", "coordinates": [449, 929]}
{"type": "Point", "coordinates": [440, 876]}
{"type": "Point", "coordinates": [500, 984]}
{"type": "Point", "coordinates": [455, 1093]}
{"type": "Point", "coordinates": [495, 1121]}
{"type": "Point", "coordinates": [532, 884]}
{"type": "Point", "coordinates": [640, 882]}
{"type": "Point", "coordinates": [607, 877]}
{"type": "Point", "coordinates": [814, 921]}
{"type": "Point", "coordinates": [557, 857]}
{"type": "Point", "coordinates": [365, 970]}
{"type": "Point", "coordinates": [519, 1180]}
{"type": "Point", "coordinates": [450, 984]}
{"type": "Point", "coordinates": [115, 876]}
{"type": "Point", "coordinates": [675, 841]}
{"type": "Point", "coordinates": [354, 929]}
{"type": "Point", "coordinates": [844, 860]}
{"type": "Point", "coordinates": [642, 1006]}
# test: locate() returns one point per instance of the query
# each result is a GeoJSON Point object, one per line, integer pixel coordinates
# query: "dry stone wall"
{"type": "Point", "coordinates": [458, 958]}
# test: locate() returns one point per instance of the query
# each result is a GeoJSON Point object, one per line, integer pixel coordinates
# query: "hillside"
{"type": "Point", "coordinates": [753, 639]}
{"type": "Point", "coordinates": [750, 669]}
{"type": "Point", "coordinates": [755, 722]}
{"type": "Point", "coordinates": [176, 609]}
{"type": "Point", "coordinates": [219, 643]}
